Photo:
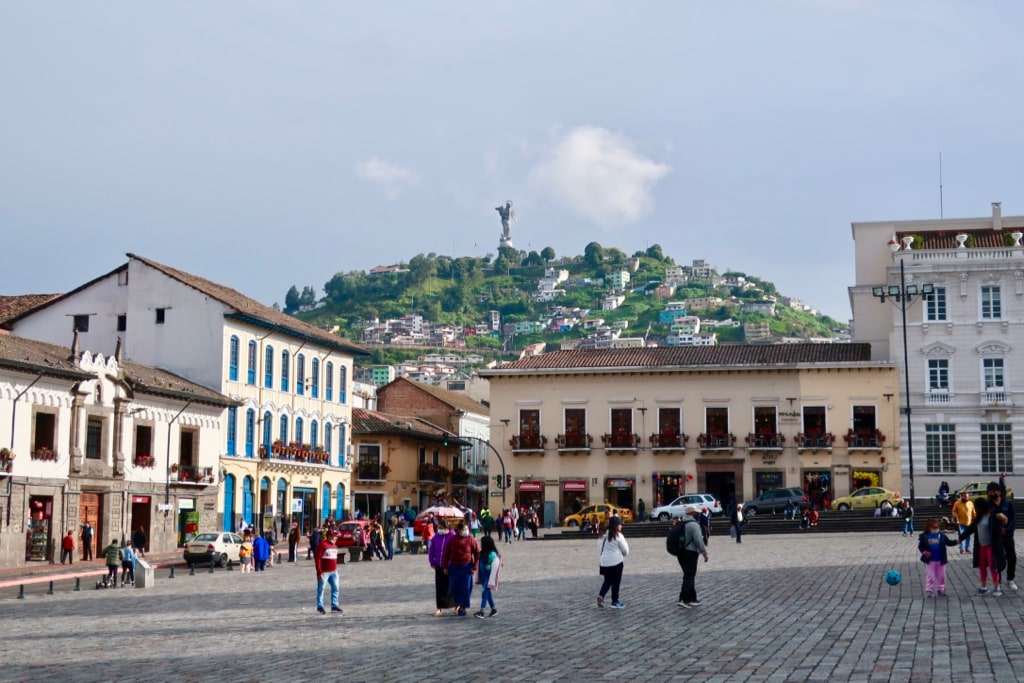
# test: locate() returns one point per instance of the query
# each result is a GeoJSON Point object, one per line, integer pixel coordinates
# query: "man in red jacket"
{"type": "Point", "coordinates": [326, 560]}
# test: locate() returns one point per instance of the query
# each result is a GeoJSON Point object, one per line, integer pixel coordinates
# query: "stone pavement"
{"type": "Point", "coordinates": [776, 608]}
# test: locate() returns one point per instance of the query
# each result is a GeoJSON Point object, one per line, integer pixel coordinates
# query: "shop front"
{"type": "Point", "coordinates": [303, 509]}
{"type": "Point", "coordinates": [39, 532]}
{"type": "Point", "coordinates": [188, 520]}
{"type": "Point", "coordinates": [142, 518]}
{"type": "Point", "coordinates": [573, 496]}
{"type": "Point", "coordinates": [531, 494]}
{"type": "Point", "coordinates": [817, 485]}
{"type": "Point", "coordinates": [620, 491]}
{"type": "Point", "coordinates": [768, 479]}
{"type": "Point", "coordinates": [667, 486]}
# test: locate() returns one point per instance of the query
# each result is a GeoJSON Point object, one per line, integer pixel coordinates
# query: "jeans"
{"type": "Point", "coordinates": [332, 579]}
{"type": "Point", "coordinates": [1011, 556]}
{"type": "Point", "coordinates": [486, 599]}
{"type": "Point", "coordinates": [460, 583]}
{"type": "Point", "coordinates": [612, 579]}
{"type": "Point", "coordinates": [688, 563]}
{"type": "Point", "coordinates": [966, 545]}
{"type": "Point", "coordinates": [508, 534]}
{"type": "Point", "coordinates": [908, 526]}
{"type": "Point", "coordinates": [68, 555]}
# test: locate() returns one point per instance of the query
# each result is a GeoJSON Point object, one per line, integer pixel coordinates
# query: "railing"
{"type": "Point", "coordinates": [620, 441]}
{"type": "Point", "coordinates": [864, 440]}
{"type": "Point", "coordinates": [296, 453]}
{"type": "Point", "coordinates": [995, 397]}
{"type": "Point", "coordinates": [574, 442]}
{"type": "Point", "coordinates": [765, 442]}
{"type": "Point", "coordinates": [937, 397]}
{"type": "Point", "coordinates": [815, 442]}
{"type": "Point", "coordinates": [187, 474]}
{"type": "Point", "coordinates": [667, 441]}
{"type": "Point", "coordinates": [716, 442]}
{"type": "Point", "coordinates": [968, 253]}
{"type": "Point", "coordinates": [528, 443]}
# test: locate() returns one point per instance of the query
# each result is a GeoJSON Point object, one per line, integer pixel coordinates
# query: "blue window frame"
{"type": "Point", "coordinates": [267, 426]}
{"type": "Point", "coordinates": [325, 509]}
{"type": "Point", "coordinates": [339, 503]}
{"type": "Point", "coordinates": [250, 374]}
{"type": "Point", "coordinates": [233, 350]}
{"type": "Point", "coordinates": [229, 502]}
{"type": "Point", "coordinates": [314, 387]}
{"type": "Point", "coordinates": [342, 383]}
{"type": "Point", "coordinates": [232, 429]}
{"type": "Point", "coordinates": [328, 438]}
{"type": "Point", "coordinates": [286, 368]}
{"type": "Point", "coordinates": [268, 367]}
{"type": "Point", "coordinates": [300, 374]}
{"type": "Point", "coordinates": [250, 431]}
{"type": "Point", "coordinates": [329, 382]}
{"type": "Point", "coordinates": [298, 429]}
{"type": "Point", "coordinates": [283, 433]}
{"type": "Point", "coordinates": [341, 445]}
{"type": "Point", "coordinates": [314, 429]}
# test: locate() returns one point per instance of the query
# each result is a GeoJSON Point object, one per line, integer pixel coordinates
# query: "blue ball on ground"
{"type": "Point", "coordinates": [893, 577]}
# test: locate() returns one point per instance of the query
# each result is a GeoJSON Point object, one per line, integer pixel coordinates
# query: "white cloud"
{"type": "Point", "coordinates": [390, 177]}
{"type": "Point", "coordinates": [597, 174]}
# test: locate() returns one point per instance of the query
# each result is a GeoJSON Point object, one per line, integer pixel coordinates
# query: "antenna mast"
{"type": "Point", "coordinates": [941, 214]}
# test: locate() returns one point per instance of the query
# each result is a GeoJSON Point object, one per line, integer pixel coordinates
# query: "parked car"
{"type": "Point", "coordinates": [677, 508]}
{"type": "Point", "coordinates": [975, 490]}
{"type": "Point", "coordinates": [866, 499]}
{"type": "Point", "coordinates": [219, 546]}
{"type": "Point", "coordinates": [773, 501]}
{"type": "Point", "coordinates": [576, 519]}
{"type": "Point", "coordinates": [347, 533]}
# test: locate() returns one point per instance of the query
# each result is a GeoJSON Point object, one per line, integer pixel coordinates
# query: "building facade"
{"type": "Point", "coordinates": [623, 425]}
{"type": "Point", "coordinates": [284, 446]}
{"type": "Point", "coordinates": [960, 340]}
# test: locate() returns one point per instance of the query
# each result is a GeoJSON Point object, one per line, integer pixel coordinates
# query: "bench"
{"type": "Point", "coordinates": [355, 554]}
{"type": "Point", "coordinates": [414, 547]}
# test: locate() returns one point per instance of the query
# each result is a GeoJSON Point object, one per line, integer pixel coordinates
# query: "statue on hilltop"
{"type": "Point", "coordinates": [508, 215]}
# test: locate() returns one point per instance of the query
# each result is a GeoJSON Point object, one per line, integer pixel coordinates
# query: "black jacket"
{"type": "Point", "coordinates": [944, 540]}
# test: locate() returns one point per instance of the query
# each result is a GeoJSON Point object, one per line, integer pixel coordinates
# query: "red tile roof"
{"type": "Point", "coordinates": [13, 306]}
{"type": "Point", "coordinates": [724, 355]}
{"type": "Point", "coordinates": [367, 422]}
{"type": "Point", "coordinates": [454, 399]}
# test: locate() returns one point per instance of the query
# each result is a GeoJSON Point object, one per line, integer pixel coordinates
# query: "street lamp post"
{"type": "Point", "coordinates": [903, 294]}
{"type": "Point", "coordinates": [498, 455]}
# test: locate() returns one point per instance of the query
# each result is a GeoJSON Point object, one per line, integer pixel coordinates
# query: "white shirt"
{"type": "Point", "coordinates": [614, 552]}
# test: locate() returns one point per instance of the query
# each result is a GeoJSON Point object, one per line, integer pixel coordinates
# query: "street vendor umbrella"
{"type": "Point", "coordinates": [444, 512]}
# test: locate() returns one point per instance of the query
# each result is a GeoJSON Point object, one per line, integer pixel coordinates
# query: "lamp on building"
{"type": "Point", "coordinates": [903, 294]}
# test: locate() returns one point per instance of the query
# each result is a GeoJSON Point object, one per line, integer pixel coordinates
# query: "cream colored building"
{"type": "Point", "coordinates": [623, 425]}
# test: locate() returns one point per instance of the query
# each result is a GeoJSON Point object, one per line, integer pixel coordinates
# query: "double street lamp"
{"type": "Point", "coordinates": [903, 294]}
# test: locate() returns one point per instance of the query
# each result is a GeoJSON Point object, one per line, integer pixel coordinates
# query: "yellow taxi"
{"type": "Point", "coordinates": [867, 498]}
{"type": "Point", "coordinates": [601, 510]}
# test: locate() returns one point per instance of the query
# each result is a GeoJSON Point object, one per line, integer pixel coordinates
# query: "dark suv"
{"type": "Point", "coordinates": [773, 501]}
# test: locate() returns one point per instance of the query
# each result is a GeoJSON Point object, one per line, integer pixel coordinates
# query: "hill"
{"type": "Point", "coordinates": [455, 295]}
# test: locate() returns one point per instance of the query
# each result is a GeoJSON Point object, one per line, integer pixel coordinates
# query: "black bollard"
{"type": "Point", "coordinates": [21, 592]}
{"type": "Point", "coordinates": [278, 558]}
{"type": "Point", "coordinates": [229, 566]}
{"type": "Point", "coordinates": [172, 573]}
{"type": "Point", "coordinates": [50, 592]}
{"type": "Point", "coordinates": [78, 583]}
{"type": "Point", "coordinates": [192, 569]}
{"type": "Point", "coordinates": [211, 566]}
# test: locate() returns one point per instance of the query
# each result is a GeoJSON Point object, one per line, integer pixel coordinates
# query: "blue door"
{"type": "Point", "coordinates": [229, 502]}
{"type": "Point", "coordinates": [247, 501]}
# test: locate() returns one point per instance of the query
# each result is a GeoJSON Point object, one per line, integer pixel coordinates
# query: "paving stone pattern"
{"type": "Point", "coordinates": [776, 608]}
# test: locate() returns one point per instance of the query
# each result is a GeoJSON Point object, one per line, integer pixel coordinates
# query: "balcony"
{"type": "Point", "coordinates": [620, 441]}
{"type": "Point", "coordinates": [461, 477]}
{"type": "Point", "coordinates": [669, 440]}
{"type": "Point", "coordinates": [297, 452]}
{"type": "Point", "coordinates": [996, 397]}
{"type": "Point", "coordinates": [716, 442]}
{"type": "Point", "coordinates": [937, 397]}
{"type": "Point", "coordinates": [767, 441]}
{"type": "Point", "coordinates": [432, 473]}
{"type": "Point", "coordinates": [372, 471]}
{"type": "Point", "coordinates": [574, 443]}
{"type": "Point", "coordinates": [864, 440]}
{"type": "Point", "coordinates": [526, 443]}
{"type": "Point", "coordinates": [187, 474]}
{"type": "Point", "coordinates": [815, 442]}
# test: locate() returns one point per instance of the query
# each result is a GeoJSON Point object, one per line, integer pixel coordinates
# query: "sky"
{"type": "Point", "coordinates": [263, 145]}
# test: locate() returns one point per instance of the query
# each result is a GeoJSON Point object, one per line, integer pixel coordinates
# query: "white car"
{"type": "Point", "coordinates": [677, 508]}
{"type": "Point", "coordinates": [219, 547]}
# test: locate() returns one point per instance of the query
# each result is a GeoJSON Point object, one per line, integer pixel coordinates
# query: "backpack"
{"type": "Point", "coordinates": [673, 542]}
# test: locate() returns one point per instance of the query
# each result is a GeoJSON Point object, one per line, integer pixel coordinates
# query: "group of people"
{"type": "Point", "coordinates": [116, 558]}
{"type": "Point", "coordinates": [456, 558]}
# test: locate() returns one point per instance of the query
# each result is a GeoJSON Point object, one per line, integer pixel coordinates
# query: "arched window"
{"type": "Point", "coordinates": [298, 429]}
{"type": "Point", "coordinates": [250, 431]}
{"type": "Point", "coordinates": [300, 374]}
{"type": "Point", "coordinates": [286, 368]}
{"type": "Point", "coordinates": [328, 439]}
{"type": "Point", "coordinates": [325, 507]}
{"type": "Point", "coordinates": [267, 426]}
{"type": "Point", "coordinates": [232, 429]}
{"type": "Point", "coordinates": [229, 502]}
{"type": "Point", "coordinates": [339, 503]}
{"type": "Point", "coordinates": [342, 445]}
{"type": "Point", "coordinates": [247, 501]}
{"type": "Point", "coordinates": [233, 350]}
{"type": "Point", "coordinates": [342, 383]}
{"type": "Point", "coordinates": [313, 433]}
{"type": "Point", "coordinates": [329, 382]}
{"type": "Point", "coordinates": [268, 368]}
{"type": "Point", "coordinates": [314, 387]}
{"type": "Point", "coordinates": [250, 374]}
{"type": "Point", "coordinates": [283, 434]}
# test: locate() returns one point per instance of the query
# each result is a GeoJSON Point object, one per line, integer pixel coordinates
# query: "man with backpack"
{"type": "Point", "coordinates": [686, 543]}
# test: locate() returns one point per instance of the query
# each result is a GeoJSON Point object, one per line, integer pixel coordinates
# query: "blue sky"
{"type": "Point", "coordinates": [267, 144]}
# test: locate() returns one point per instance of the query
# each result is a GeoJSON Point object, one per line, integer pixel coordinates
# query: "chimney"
{"type": "Point", "coordinates": [74, 346]}
{"type": "Point", "coordinates": [997, 215]}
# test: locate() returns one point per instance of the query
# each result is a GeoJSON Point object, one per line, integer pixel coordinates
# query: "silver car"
{"type": "Point", "coordinates": [677, 508]}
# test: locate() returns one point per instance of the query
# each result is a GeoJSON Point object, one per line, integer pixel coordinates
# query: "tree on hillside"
{"type": "Point", "coordinates": [308, 297]}
{"type": "Point", "coordinates": [291, 300]}
{"type": "Point", "coordinates": [533, 259]}
{"type": "Point", "coordinates": [593, 254]}
{"type": "Point", "coordinates": [421, 269]}
{"type": "Point", "coordinates": [654, 252]}
{"type": "Point", "coordinates": [547, 253]}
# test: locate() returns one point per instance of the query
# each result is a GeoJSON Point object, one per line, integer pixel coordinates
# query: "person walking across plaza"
{"type": "Point", "coordinates": [736, 520]}
{"type": "Point", "coordinates": [435, 555]}
{"type": "Point", "coordinates": [641, 510]}
{"type": "Point", "coordinates": [997, 498]}
{"type": "Point", "coordinates": [67, 548]}
{"type": "Point", "coordinates": [690, 543]}
{"type": "Point", "coordinates": [459, 561]}
{"type": "Point", "coordinates": [245, 552]}
{"type": "Point", "coordinates": [293, 541]}
{"type": "Point", "coordinates": [86, 538]}
{"type": "Point", "coordinates": [260, 553]}
{"type": "Point", "coordinates": [907, 513]}
{"type": "Point", "coordinates": [127, 565]}
{"type": "Point", "coordinates": [705, 525]}
{"type": "Point", "coordinates": [139, 540]}
{"type": "Point", "coordinates": [326, 562]}
{"type": "Point", "coordinates": [112, 554]}
{"type": "Point", "coordinates": [963, 514]}
{"type": "Point", "coordinates": [612, 552]}
{"type": "Point", "coordinates": [490, 563]}
{"type": "Point", "coordinates": [989, 556]}
{"type": "Point", "coordinates": [932, 544]}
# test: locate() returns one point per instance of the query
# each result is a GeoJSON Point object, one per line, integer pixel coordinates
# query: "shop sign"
{"type": "Point", "coordinates": [297, 505]}
{"type": "Point", "coordinates": [620, 483]}
{"type": "Point", "coordinates": [575, 485]}
{"type": "Point", "coordinates": [530, 486]}
{"type": "Point", "coordinates": [495, 494]}
{"type": "Point", "coordinates": [140, 499]}
{"type": "Point", "coordinates": [209, 506]}
{"type": "Point", "coordinates": [268, 511]}
{"type": "Point", "coordinates": [186, 504]}
{"type": "Point", "coordinates": [164, 507]}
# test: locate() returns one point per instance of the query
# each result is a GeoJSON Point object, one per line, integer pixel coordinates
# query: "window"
{"type": "Point", "coordinates": [423, 454]}
{"type": "Point", "coordinates": [122, 323]}
{"type": "Point", "coordinates": [283, 431]}
{"type": "Point", "coordinates": [298, 429]}
{"type": "Point", "coordinates": [622, 428]}
{"type": "Point", "coordinates": [940, 448]}
{"type": "Point", "coordinates": [992, 368]}
{"type": "Point", "coordinates": [143, 441]}
{"type": "Point", "coordinates": [342, 383]}
{"type": "Point", "coordinates": [670, 427]}
{"type": "Point", "coordinates": [314, 390]}
{"type": "Point", "coordinates": [300, 374]}
{"type": "Point", "coordinates": [936, 305]}
{"type": "Point", "coordinates": [267, 426]}
{"type": "Point", "coordinates": [342, 447]}
{"type": "Point", "coordinates": [938, 374]}
{"type": "Point", "coordinates": [250, 431]}
{"type": "Point", "coordinates": [764, 421]}
{"type": "Point", "coordinates": [329, 382]}
{"type": "Point", "coordinates": [232, 429]}
{"type": "Point", "coordinates": [716, 422]}
{"type": "Point", "coordinates": [576, 428]}
{"type": "Point", "coordinates": [268, 367]}
{"type": "Point", "coordinates": [161, 316]}
{"type": "Point", "coordinates": [94, 438]}
{"type": "Point", "coordinates": [328, 437]}
{"type": "Point", "coordinates": [233, 351]}
{"type": "Point", "coordinates": [250, 373]}
{"type": "Point", "coordinates": [369, 462]}
{"type": "Point", "coordinates": [80, 323]}
{"type": "Point", "coordinates": [314, 428]}
{"type": "Point", "coordinates": [44, 433]}
{"type": "Point", "coordinates": [864, 419]}
{"type": "Point", "coordinates": [991, 305]}
{"type": "Point", "coordinates": [996, 448]}
{"type": "Point", "coordinates": [286, 368]}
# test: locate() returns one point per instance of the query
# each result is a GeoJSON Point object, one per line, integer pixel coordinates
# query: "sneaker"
{"type": "Point", "coordinates": [493, 612]}
{"type": "Point", "coordinates": [683, 604]}
{"type": "Point", "coordinates": [928, 594]}
{"type": "Point", "coordinates": [997, 593]}
{"type": "Point", "coordinates": [1013, 586]}
{"type": "Point", "coordinates": [942, 594]}
{"type": "Point", "coordinates": [617, 605]}
{"type": "Point", "coordinates": [694, 603]}
{"type": "Point", "coordinates": [337, 609]}
{"type": "Point", "coordinates": [982, 591]}
{"type": "Point", "coordinates": [600, 601]}
{"type": "Point", "coordinates": [480, 615]}
{"type": "Point", "coordinates": [321, 610]}
{"type": "Point", "coordinates": [462, 612]}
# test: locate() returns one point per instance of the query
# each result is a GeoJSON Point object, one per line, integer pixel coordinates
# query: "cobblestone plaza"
{"type": "Point", "coordinates": [775, 608]}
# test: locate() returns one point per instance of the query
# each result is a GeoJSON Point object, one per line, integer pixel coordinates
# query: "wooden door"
{"type": "Point", "coordinates": [89, 511]}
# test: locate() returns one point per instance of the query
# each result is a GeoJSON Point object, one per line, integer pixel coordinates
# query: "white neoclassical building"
{"type": "Point", "coordinates": [964, 341]}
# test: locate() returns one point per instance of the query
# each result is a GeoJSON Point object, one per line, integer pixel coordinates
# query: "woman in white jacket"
{"type": "Point", "coordinates": [611, 557]}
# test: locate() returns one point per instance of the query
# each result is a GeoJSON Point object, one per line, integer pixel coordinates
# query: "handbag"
{"type": "Point", "coordinates": [600, 567]}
